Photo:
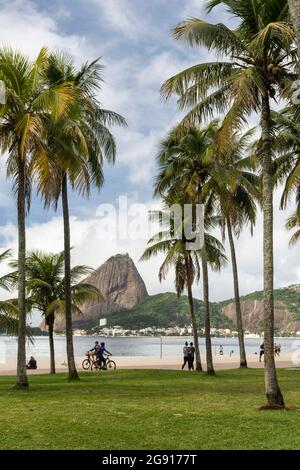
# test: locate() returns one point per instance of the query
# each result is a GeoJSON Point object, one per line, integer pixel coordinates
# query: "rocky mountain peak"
{"type": "Point", "coordinates": [120, 284]}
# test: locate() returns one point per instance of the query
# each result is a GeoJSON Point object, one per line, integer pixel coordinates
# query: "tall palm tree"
{"type": "Point", "coordinates": [187, 267]}
{"type": "Point", "coordinates": [260, 66]}
{"type": "Point", "coordinates": [294, 223]}
{"type": "Point", "coordinates": [186, 273]}
{"type": "Point", "coordinates": [286, 143]}
{"type": "Point", "coordinates": [286, 169]}
{"type": "Point", "coordinates": [187, 161]}
{"type": "Point", "coordinates": [46, 292]}
{"type": "Point", "coordinates": [8, 308]}
{"type": "Point", "coordinates": [231, 191]}
{"type": "Point", "coordinates": [78, 144]}
{"type": "Point", "coordinates": [29, 103]}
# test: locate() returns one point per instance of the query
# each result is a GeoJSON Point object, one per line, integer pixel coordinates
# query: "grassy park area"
{"type": "Point", "coordinates": [150, 409]}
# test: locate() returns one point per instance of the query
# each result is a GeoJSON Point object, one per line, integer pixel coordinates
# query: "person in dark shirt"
{"type": "Point", "coordinates": [191, 357]}
{"type": "Point", "coordinates": [32, 364]}
{"type": "Point", "coordinates": [100, 355]}
{"type": "Point", "coordinates": [95, 350]}
{"type": "Point", "coordinates": [185, 355]}
{"type": "Point", "coordinates": [261, 351]}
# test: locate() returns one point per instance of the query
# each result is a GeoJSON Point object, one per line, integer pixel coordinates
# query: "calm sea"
{"type": "Point", "coordinates": [138, 346]}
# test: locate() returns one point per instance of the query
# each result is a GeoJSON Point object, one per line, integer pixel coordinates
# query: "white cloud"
{"type": "Point", "coordinates": [25, 27]}
{"type": "Point", "coordinates": [120, 16]}
{"type": "Point", "coordinates": [132, 88]}
{"type": "Point", "coordinates": [92, 250]}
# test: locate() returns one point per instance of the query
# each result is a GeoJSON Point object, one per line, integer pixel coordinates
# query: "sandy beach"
{"type": "Point", "coordinates": [168, 362]}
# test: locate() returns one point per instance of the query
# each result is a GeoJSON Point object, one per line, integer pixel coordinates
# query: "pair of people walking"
{"type": "Point", "coordinates": [277, 350]}
{"type": "Point", "coordinates": [188, 356]}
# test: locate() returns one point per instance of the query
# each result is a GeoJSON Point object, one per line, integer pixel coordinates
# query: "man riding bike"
{"type": "Point", "coordinates": [100, 355]}
{"type": "Point", "coordinates": [95, 349]}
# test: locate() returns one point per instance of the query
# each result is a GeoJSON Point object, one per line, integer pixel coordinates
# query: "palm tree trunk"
{"type": "Point", "coordinates": [51, 344]}
{"type": "Point", "coordinates": [22, 379]}
{"type": "Point", "coordinates": [239, 319]}
{"type": "Point", "coordinates": [295, 14]}
{"type": "Point", "coordinates": [193, 318]}
{"type": "Point", "coordinates": [73, 375]}
{"type": "Point", "coordinates": [209, 357]}
{"type": "Point", "coordinates": [273, 392]}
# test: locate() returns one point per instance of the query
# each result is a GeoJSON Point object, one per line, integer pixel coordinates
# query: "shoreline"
{"type": "Point", "coordinates": [152, 362]}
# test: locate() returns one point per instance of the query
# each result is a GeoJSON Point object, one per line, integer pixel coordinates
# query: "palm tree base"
{"type": "Point", "coordinates": [73, 376]}
{"type": "Point", "coordinates": [272, 407]}
{"type": "Point", "coordinates": [21, 385]}
{"type": "Point", "coordinates": [243, 365]}
{"type": "Point", "coordinates": [210, 372]}
{"type": "Point", "coordinates": [275, 399]}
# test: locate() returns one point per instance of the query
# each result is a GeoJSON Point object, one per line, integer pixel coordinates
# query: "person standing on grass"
{"type": "Point", "coordinates": [191, 356]}
{"type": "Point", "coordinates": [185, 355]}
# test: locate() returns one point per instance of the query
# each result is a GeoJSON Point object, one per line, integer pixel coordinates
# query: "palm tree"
{"type": "Point", "coordinates": [231, 192]}
{"type": "Point", "coordinates": [78, 143]}
{"type": "Point", "coordinates": [260, 66]}
{"type": "Point", "coordinates": [46, 293]}
{"type": "Point", "coordinates": [22, 132]}
{"type": "Point", "coordinates": [294, 223]}
{"type": "Point", "coordinates": [186, 269]}
{"type": "Point", "coordinates": [286, 141]}
{"type": "Point", "coordinates": [187, 161]}
{"type": "Point", "coordinates": [187, 264]}
{"type": "Point", "coordinates": [8, 308]}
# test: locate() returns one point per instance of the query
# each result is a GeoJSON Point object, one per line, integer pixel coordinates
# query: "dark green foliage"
{"type": "Point", "coordinates": [162, 310]}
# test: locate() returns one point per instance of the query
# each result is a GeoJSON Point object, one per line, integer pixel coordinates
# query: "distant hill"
{"type": "Point", "coordinates": [287, 310]}
{"type": "Point", "coordinates": [126, 303]}
{"type": "Point", "coordinates": [162, 310]}
{"type": "Point", "coordinates": [121, 286]}
{"type": "Point", "coordinates": [166, 310]}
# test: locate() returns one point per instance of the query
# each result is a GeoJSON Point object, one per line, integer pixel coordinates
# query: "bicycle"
{"type": "Point", "coordinates": [87, 363]}
{"type": "Point", "coordinates": [92, 363]}
{"type": "Point", "coordinates": [109, 365]}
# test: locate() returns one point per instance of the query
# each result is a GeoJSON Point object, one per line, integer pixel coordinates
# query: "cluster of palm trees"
{"type": "Point", "coordinates": [220, 165]}
{"type": "Point", "coordinates": [55, 134]}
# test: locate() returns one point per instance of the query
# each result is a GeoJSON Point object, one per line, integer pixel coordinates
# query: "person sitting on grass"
{"type": "Point", "coordinates": [100, 355]}
{"type": "Point", "coordinates": [32, 364]}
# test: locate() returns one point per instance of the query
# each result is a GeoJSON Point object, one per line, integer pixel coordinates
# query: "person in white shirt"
{"type": "Point", "coordinates": [185, 355]}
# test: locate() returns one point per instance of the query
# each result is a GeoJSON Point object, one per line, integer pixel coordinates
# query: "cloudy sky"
{"type": "Point", "coordinates": [133, 38]}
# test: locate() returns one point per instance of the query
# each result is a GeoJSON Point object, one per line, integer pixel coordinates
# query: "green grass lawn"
{"type": "Point", "coordinates": [148, 410]}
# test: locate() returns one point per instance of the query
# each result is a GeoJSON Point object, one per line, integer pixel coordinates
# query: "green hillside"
{"type": "Point", "coordinates": [162, 310]}
{"type": "Point", "coordinates": [166, 310]}
{"type": "Point", "coordinates": [289, 296]}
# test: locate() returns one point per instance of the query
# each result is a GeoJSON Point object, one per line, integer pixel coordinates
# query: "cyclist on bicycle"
{"type": "Point", "coordinates": [100, 355]}
{"type": "Point", "coordinates": [95, 349]}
